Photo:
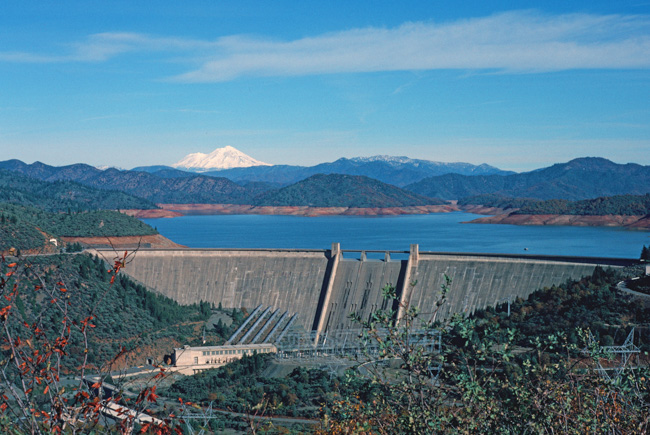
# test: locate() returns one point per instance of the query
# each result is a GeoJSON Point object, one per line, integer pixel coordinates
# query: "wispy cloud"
{"type": "Point", "coordinates": [101, 47]}
{"type": "Point", "coordinates": [512, 42]}
{"type": "Point", "coordinates": [509, 42]}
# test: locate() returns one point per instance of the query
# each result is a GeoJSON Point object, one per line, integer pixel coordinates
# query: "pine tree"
{"type": "Point", "coordinates": [645, 253]}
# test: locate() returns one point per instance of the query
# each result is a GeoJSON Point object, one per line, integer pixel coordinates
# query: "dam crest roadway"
{"type": "Point", "coordinates": [324, 286]}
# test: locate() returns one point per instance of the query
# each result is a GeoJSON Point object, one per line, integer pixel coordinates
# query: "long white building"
{"type": "Point", "coordinates": [190, 360]}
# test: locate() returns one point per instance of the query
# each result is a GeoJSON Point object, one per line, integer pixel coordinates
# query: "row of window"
{"type": "Point", "coordinates": [234, 351]}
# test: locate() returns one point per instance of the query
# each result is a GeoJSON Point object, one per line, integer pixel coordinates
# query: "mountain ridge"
{"type": "Point", "coordinates": [399, 171]}
{"type": "Point", "coordinates": [581, 178]}
{"type": "Point", "coordinates": [323, 190]}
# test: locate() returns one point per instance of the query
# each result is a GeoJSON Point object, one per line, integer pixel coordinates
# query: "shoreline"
{"type": "Point", "coordinates": [125, 242]}
{"type": "Point", "coordinates": [492, 215]}
{"type": "Point", "coordinates": [508, 217]}
{"type": "Point", "coordinates": [307, 211]}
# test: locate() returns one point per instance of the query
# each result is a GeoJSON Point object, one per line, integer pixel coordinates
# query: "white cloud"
{"type": "Point", "coordinates": [507, 42]}
{"type": "Point", "coordinates": [510, 42]}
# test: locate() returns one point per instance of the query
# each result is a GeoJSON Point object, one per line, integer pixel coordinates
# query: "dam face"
{"type": "Point", "coordinates": [325, 286]}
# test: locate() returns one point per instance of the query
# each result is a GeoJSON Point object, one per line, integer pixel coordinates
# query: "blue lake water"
{"type": "Point", "coordinates": [434, 232]}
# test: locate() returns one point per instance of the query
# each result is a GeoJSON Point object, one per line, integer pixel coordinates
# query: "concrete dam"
{"type": "Point", "coordinates": [325, 286]}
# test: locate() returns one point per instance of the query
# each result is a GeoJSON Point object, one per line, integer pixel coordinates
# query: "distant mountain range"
{"type": "Point", "coordinates": [582, 178]}
{"type": "Point", "coordinates": [396, 170]}
{"type": "Point", "coordinates": [319, 190]}
{"type": "Point", "coordinates": [194, 188]}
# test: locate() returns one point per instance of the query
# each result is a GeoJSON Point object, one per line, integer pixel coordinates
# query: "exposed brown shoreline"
{"type": "Point", "coordinates": [152, 214]}
{"type": "Point", "coordinates": [304, 210]}
{"type": "Point", "coordinates": [494, 215]}
{"type": "Point", "coordinates": [125, 242]}
{"type": "Point", "coordinates": [508, 217]}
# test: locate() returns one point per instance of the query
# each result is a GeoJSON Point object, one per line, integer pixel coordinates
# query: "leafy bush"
{"type": "Point", "coordinates": [483, 382]}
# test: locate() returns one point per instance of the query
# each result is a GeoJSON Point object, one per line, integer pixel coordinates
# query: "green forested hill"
{"type": "Point", "coordinates": [23, 227]}
{"type": "Point", "coordinates": [125, 314]}
{"type": "Point", "coordinates": [18, 233]}
{"type": "Point", "coordinates": [183, 190]}
{"type": "Point", "coordinates": [583, 178]}
{"type": "Point", "coordinates": [624, 205]}
{"type": "Point", "coordinates": [63, 195]}
{"type": "Point", "coordinates": [332, 190]}
{"type": "Point", "coordinates": [336, 190]}
{"type": "Point", "coordinates": [591, 303]}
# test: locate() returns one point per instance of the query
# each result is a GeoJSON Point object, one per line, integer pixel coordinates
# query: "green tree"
{"type": "Point", "coordinates": [645, 253]}
{"type": "Point", "coordinates": [482, 383]}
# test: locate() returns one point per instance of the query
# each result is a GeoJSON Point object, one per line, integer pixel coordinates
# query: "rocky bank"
{"type": "Point", "coordinates": [129, 242]}
{"type": "Point", "coordinates": [641, 222]}
{"type": "Point", "coordinates": [304, 210]}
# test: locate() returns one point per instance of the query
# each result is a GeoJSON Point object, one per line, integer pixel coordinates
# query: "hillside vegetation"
{"type": "Point", "coordinates": [241, 385]}
{"type": "Point", "coordinates": [29, 227]}
{"type": "Point", "coordinates": [578, 179]}
{"type": "Point", "coordinates": [63, 195]}
{"type": "Point", "coordinates": [624, 205]}
{"type": "Point", "coordinates": [125, 314]}
{"type": "Point", "coordinates": [332, 190]}
{"type": "Point", "coordinates": [589, 303]}
{"type": "Point", "coordinates": [335, 190]}
{"type": "Point", "coordinates": [398, 171]}
{"type": "Point", "coordinates": [181, 190]}
{"type": "Point", "coordinates": [17, 233]}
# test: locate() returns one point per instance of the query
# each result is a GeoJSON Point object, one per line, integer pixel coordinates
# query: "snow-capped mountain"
{"type": "Point", "coordinates": [437, 168]}
{"type": "Point", "coordinates": [396, 170]}
{"type": "Point", "coordinates": [221, 158]}
{"type": "Point", "coordinates": [383, 158]}
{"type": "Point", "coordinates": [105, 167]}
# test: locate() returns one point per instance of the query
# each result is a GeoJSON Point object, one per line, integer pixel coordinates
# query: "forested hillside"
{"type": "Point", "coordinates": [94, 223]}
{"type": "Point", "coordinates": [63, 195]}
{"type": "Point", "coordinates": [591, 303]}
{"type": "Point", "coordinates": [578, 179]}
{"type": "Point", "coordinates": [181, 190]}
{"type": "Point", "coordinates": [30, 227]}
{"type": "Point", "coordinates": [337, 190]}
{"type": "Point", "coordinates": [624, 205]}
{"type": "Point", "coordinates": [125, 315]}
{"type": "Point", "coordinates": [398, 171]}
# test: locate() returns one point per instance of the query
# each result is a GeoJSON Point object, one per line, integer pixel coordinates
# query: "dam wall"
{"type": "Point", "coordinates": [291, 280]}
{"type": "Point", "coordinates": [324, 286]}
{"type": "Point", "coordinates": [358, 288]}
{"type": "Point", "coordinates": [478, 282]}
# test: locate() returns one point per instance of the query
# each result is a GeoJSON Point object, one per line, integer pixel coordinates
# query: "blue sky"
{"type": "Point", "coordinates": [132, 83]}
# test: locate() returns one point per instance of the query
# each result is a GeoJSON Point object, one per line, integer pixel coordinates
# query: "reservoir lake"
{"type": "Point", "coordinates": [442, 232]}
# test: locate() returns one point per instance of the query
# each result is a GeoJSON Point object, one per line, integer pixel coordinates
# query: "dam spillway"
{"type": "Point", "coordinates": [325, 286]}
